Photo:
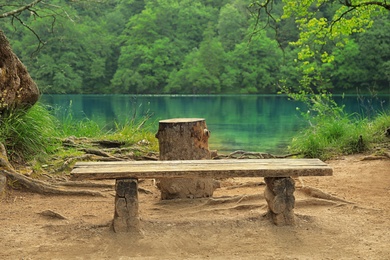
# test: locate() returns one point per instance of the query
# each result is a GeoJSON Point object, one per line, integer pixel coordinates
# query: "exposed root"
{"type": "Point", "coordinates": [317, 193]}
{"type": "Point", "coordinates": [85, 184]}
{"type": "Point", "coordinates": [248, 207]}
{"type": "Point", "coordinates": [41, 187]}
{"type": "Point", "coordinates": [375, 157]}
{"type": "Point", "coordinates": [248, 184]}
{"type": "Point", "coordinates": [240, 154]}
{"type": "Point", "coordinates": [317, 202]}
{"type": "Point", "coordinates": [67, 164]}
{"type": "Point", "coordinates": [96, 152]}
{"type": "Point", "coordinates": [234, 199]}
{"type": "Point", "coordinates": [33, 185]}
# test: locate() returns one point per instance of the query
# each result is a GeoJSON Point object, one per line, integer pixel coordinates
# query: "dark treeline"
{"type": "Point", "coordinates": [183, 46]}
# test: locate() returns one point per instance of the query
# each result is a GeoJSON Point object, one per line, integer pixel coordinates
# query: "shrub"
{"type": "Point", "coordinates": [333, 132]}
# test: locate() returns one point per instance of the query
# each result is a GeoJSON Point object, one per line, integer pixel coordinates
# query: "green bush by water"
{"type": "Point", "coordinates": [340, 134]}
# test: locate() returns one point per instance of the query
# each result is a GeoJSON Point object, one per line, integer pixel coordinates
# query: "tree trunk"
{"type": "Point", "coordinates": [279, 194]}
{"type": "Point", "coordinates": [184, 139]}
{"type": "Point", "coordinates": [17, 89]}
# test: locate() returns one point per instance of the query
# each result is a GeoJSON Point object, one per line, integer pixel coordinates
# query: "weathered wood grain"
{"type": "Point", "coordinates": [201, 168]}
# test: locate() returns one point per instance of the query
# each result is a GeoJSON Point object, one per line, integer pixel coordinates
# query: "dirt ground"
{"type": "Point", "coordinates": [205, 229]}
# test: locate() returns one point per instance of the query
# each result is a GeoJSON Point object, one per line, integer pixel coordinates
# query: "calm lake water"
{"type": "Point", "coordinates": [258, 123]}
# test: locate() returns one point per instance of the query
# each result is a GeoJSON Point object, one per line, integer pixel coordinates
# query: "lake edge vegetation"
{"type": "Point", "coordinates": [36, 136]}
{"type": "Point", "coordinates": [332, 132]}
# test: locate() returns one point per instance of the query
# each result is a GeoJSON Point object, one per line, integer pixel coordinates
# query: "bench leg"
{"type": "Point", "coordinates": [279, 194]}
{"type": "Point", "coordinates": [126, 218]}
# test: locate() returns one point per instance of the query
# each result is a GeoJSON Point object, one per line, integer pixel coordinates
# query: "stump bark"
{"type": "Point", "coordinates": [184, 139]}
{"type": "Point", "coordinates": [279, 195]}
{"type": "Point", "coordinates": [126, 217]}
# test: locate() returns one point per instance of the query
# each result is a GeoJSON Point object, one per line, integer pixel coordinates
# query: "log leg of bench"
{"type": "Point", "coordinates": [279, 194]}
{"type": "Point", "coordinates": [126, 218]}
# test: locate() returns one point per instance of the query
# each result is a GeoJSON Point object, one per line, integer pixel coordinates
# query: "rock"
{"type": "Point", "coordinates": [17, 89]}
{"type": "Point", "coordinates": [51, 214]}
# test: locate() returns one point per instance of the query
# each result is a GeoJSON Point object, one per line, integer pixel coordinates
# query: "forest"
{"type": "Point", "coordinates": [185, 47]}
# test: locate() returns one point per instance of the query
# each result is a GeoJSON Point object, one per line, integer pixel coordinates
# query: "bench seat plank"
{"type": "Point", "coordinates": [225, 168]}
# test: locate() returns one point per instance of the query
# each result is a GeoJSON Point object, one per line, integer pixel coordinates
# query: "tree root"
{"type": "Point", "coordinates": [246, 185]}
{"type": "Point", "coordinates": [41, 187]}
{"type": "Point", "coordinates": [240, 154]}
{"type": "Point", "coordinates": [317, 193]}
{"type": "Point", "coordinates": [33, 185]}
{"type": "Point", "coordinates": [85, 184]}
{"type": "Point", "coordinates": [317, 202]}
{"type": "Point", "coordinates": [376, 157]}
{"type": "Point", "coordinates": [234, 199]}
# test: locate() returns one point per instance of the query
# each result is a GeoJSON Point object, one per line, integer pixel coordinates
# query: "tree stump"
{"type": "Point", "coordinates": [126, 218]}
{"type": "Point", "coordinates": [184, 139]}
{"type": "Point", "coordinates": [279, 194]}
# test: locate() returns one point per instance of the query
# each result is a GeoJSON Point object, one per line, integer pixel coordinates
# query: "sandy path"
{"type": "Point", "coordinates": [193, 229]}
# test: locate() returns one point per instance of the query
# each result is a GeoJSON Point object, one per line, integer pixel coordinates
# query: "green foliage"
{"type": "Point", "coordinates": [379, 126]}
{"type": "Point", "coordinates": [36, 134]}
{"type": "Point", "coordinates": [201, 68]}
{"type": "Point", "coordinates": [130, 131]}
{"type": "Point", "coordinates": [330, 137]}
{"type": "Point", "coordinates": [325, 29]}
{"type": "Point", "coordinates": [333, 132]}
{"type": "Point", "coordinates": [134, 131]}
{"type": "Point", "coordinates": [232, 24]}
{"type": "Point", "coordinates": [29, 134]}
{"type": "Point", "coordinates": [204, 46]}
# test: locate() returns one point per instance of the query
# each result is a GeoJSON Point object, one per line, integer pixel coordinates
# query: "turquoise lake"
{"type": "Point", "coordinates": [256, 123]}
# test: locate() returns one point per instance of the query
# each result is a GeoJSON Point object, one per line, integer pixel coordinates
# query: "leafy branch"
{"type": "Point", "coordinates": [383, 4]}
{"type": "Point", "coordinates": [20, 9]}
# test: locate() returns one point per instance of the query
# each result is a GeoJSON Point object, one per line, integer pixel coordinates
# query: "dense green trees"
{"type": "Point", "coordinates": [201, 46]}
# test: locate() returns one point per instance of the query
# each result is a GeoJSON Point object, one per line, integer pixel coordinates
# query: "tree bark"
{"type": "Point", "coordinates": [17, 89]}
{"type": "Point", "coordinates": [279, 195]}
{"type": "Point", "coordinates": [126, 217]}
{"type": "Point", "coordinates": [184, 139]}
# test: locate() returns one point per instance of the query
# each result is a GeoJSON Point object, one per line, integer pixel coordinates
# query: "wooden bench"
{"type": "Point", "coordinates": [277, 174]}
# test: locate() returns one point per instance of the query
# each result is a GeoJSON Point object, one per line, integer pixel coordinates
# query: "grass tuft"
{"type": "Point", "coordinates": [36, 134]}
{"type": "Point", "coordinates": [29, 134]}
{"type": "Point", "coordinates": [345, 134]}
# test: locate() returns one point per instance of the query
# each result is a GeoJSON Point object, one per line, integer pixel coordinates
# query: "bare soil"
{"type": "Point", "coordinates": [204, 228]}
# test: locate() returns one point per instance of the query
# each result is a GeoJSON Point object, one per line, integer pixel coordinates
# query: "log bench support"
{"type": "Point", "coordinates": [126, 218]}
{"type": "Point", "coordinates": [279, 194]}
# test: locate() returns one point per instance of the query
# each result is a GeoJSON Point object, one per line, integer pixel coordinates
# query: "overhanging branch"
{"type": "Point", "coordinates": [383, 4]}
{"type": "Point", "coordinates": [19, 10]}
